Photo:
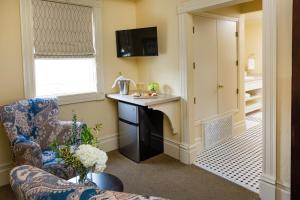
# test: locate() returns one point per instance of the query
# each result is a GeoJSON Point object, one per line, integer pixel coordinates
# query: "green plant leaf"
{"type": "Point", "coordinates": [86, 135]}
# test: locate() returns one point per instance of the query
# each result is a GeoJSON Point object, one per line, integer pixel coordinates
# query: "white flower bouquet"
{"type": "Point", "coordinates": [91, 157]}
{"type": "Point", "coordinates": [81, 152]}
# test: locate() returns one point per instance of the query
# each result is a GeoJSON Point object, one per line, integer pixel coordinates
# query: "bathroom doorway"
{"type": "Point", "coordinates": [232, 138]}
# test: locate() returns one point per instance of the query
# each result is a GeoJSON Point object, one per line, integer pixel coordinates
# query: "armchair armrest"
{"type": "Point", "coordinates": [28, 152]}
{"type": "Point", "coordinates": [29, 182]}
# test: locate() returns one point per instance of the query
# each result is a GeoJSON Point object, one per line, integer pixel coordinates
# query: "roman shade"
{"type": "Point", "coordinates": [62, 29]}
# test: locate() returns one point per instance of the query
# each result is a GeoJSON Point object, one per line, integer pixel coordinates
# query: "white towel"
{"type": "Point", "coordinates": [120, 78]}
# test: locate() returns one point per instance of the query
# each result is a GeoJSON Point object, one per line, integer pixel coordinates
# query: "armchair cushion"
{"type": "Point", "coordinates": [32, 183]}
{"type": "Point", "coordinates": [27, 152]}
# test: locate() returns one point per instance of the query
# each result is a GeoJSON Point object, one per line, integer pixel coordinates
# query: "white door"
{"type": "Point", "coordinates": [215, 80]}
{"type": "Point", "coordinates": [206, 67]}
{"type": "Point", "coordinates": [227, 65]}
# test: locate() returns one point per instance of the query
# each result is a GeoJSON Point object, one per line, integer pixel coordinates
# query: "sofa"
{"type": "Point", "coordinates": [31, 125]}
{"type": "Point", "coordinates": [32, 183]}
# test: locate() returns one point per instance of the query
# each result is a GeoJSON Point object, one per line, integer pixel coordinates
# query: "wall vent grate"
{"type": "Point", "coordinates": [216, 131]}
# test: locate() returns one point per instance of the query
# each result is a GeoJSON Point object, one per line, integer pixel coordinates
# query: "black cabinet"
{"type": "Point", "coordinates": [141, 131]}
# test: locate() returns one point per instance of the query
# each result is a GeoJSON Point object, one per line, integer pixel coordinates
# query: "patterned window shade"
{"type": "Point", "coordinates": [61, 29]}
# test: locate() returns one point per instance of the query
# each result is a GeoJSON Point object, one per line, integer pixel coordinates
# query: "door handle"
{"type": "Point", "coordinates": [220, 86]}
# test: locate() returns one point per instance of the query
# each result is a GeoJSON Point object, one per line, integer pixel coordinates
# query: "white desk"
{"type": "Point", "coordinates": [168, 104]}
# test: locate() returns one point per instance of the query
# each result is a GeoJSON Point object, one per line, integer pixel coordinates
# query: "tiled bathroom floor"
{"type": "Point", "coordinates": [239, 159]}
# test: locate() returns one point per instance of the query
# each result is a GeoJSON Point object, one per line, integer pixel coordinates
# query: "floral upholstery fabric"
{"type": "Point", "coordinates": [31, 125]}
{"type": "Point", "coordinates": [27, 152]}
{"type": "Point", "coordinates": [49, 157]}
{"type": "Point", "coordinates": [29, 182]}
{"type": "Point", "coordinates": [32, 183]}
{"type": "Point", "coordinates": [110, 195]}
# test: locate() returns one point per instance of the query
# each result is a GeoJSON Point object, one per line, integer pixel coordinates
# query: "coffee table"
{"type": "Point", "coordinates": [104, 181]}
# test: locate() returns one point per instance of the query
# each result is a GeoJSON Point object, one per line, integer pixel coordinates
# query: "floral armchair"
{"type": "Point", "coordinates": [32, 183]}
{"type": "Point", "coordinates": [31, 125]}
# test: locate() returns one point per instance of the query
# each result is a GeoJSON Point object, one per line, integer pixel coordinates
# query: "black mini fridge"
{"type": "Point", "coordinates": [140, 131]}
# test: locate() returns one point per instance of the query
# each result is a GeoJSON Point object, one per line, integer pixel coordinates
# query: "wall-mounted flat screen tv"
{"type": "Point", "coordinates": [137, 42]}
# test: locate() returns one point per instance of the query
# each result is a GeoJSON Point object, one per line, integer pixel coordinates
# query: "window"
{"type": "Point", "coordinates": [63, 55]}
{"type": "Point", "coordinates": [65, 76]}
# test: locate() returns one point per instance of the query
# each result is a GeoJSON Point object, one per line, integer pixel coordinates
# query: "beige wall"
{"type": "Point", "coordinates": [253, 41]}
{"type": "Point", "coordinates": [164, 68]}
{"type": "Point", "coordinates": [117, 14]}
{"type": "Point", "coordinates": [11, 74]}
{"type": "Point", "coordinates": [231, 11]}
{"type": "Point", "coordinates": [251, 6]}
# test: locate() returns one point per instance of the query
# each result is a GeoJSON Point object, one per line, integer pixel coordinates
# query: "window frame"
{"type": "Point", "coordinates": [28, 52]}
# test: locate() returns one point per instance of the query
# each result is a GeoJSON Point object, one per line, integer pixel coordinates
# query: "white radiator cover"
{"type": "Point", "coordinates": [217, 130]}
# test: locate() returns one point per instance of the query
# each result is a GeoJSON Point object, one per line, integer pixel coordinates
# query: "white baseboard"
{"type": "Point", "coordinates": [171, 148]}
{"type": "Point", "coordinates": [196, 149]}
{"type": "Point", "coordinates": [282, 192]}
{"type": "Point", "coordinates": [184, 154]}
{"type": "Point", "coordinates": [239, 128]}
{"type": "Point", "coordinates": [269, 191]}
{"type": "Point", "coordinates": [188, 153]}
{"type": "Point", "coordinates": [109, 143]}
{"type": "Point", "coordinates": [4, 173]}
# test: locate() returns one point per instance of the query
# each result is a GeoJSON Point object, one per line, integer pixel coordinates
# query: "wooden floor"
{"type": "Point", "coordinates": [6, 192]}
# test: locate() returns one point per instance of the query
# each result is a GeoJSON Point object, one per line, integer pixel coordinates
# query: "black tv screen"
{"type": "Point", "coordinates": [137, 42]}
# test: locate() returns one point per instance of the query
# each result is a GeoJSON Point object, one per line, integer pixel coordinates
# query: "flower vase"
{"type": "Point", "coordinates": [85, 180]}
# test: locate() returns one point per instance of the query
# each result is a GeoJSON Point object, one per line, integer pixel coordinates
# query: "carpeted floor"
{"type": "Point", "coordinates": [167, 177]}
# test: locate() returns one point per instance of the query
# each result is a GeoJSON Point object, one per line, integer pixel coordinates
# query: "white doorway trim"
{"type": "Point", "coordinates": [185, 13]}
